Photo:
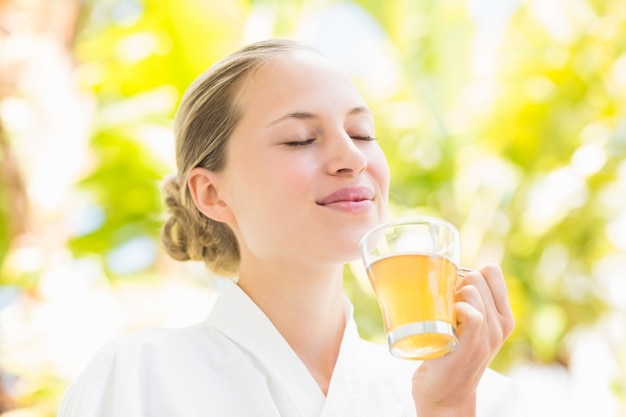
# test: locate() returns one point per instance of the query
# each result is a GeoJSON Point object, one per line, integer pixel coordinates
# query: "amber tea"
{"type": "Point", "coordinates": [416, 288]}
{"type": "Point", "coordinates": [412, 265]}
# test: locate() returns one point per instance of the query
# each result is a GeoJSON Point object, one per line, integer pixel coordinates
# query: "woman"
{"type": "Point", "coordinates": [279, 178]}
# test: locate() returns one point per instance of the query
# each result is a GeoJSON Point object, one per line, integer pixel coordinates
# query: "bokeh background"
{"type": "Point", "coordinates": [506, 117]}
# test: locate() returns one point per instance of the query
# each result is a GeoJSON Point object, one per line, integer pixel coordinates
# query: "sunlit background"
{"type": "Point", "coordinates": [506, 117]}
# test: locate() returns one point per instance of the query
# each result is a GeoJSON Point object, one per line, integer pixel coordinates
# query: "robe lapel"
{"type": "Point", "coordinates": [347, 393]}
{"type": "Point", "coordinates": [291, 386]}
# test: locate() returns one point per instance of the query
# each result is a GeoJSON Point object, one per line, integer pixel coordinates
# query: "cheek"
{"type": "Point", "coordinates": [275, 206]}
{"type": "Point", "coordinates": [280, 185]}
{"type": "Point", "coordinates": [379, 168]}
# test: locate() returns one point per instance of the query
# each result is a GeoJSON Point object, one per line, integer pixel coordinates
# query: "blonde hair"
{"type": "Point", "coordinates": [206, 117]}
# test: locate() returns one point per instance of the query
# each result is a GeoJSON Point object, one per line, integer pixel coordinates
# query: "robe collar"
{"type": "Point", "coordinates": [294, 389]}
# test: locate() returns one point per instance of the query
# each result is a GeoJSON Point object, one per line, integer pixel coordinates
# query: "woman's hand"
{"type": "Point", "coordinates": [446, 386]}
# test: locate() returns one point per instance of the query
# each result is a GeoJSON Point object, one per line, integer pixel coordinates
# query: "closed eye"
{"type": "Point", "coordinates": [364, 138]}
{"type": "Point", "coordinates": [297, 143]}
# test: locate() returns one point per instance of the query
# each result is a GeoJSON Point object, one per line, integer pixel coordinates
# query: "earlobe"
{"type": "Point", "coordinates": [204, 192]}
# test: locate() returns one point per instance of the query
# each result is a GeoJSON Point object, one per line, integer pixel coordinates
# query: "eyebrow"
{"type": "Point", "coordinates": [306, 115]}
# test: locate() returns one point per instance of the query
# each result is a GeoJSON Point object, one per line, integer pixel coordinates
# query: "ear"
{"type": "Point", "coordinates": [202, 186]}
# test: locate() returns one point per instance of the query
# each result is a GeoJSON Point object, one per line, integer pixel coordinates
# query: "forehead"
{"type": "Point", "coordinates": [296, 65]}
{"type": "Point", "coordinates": [300, 80]}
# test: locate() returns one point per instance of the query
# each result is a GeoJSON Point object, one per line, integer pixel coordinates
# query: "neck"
{"type": "Point", "coordinates": [295, 300]}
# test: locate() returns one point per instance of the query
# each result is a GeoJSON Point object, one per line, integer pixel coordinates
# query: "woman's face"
{"type": "Point", "coordinates": [304, 178]}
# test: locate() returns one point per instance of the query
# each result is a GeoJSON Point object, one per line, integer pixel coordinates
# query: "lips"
{"type": "Point", "coordinates": [347, 195]}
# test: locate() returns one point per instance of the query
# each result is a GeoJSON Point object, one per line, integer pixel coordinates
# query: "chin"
{"type": "Point", "coordinates": [342, 241]}
{"type": "Point", "coordinates": [348, 249]}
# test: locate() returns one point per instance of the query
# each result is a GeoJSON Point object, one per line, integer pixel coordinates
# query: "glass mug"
{"type": "Point", "coordinates": [412, 265]}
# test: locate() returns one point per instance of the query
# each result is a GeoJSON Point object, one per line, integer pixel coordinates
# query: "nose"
{"type": "Point", "coordinates": [345, 156]}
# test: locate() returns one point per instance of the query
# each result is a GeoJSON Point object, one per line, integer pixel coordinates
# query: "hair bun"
{"type": "Point", "coordinates": [189, 235]}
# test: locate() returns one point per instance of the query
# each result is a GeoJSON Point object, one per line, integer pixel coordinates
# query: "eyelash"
{"type": "Point", "coordinates": [364, 138]}
{"type": "Point", "coordinates": [296, 144]}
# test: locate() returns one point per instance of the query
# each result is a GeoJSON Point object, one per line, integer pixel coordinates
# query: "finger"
{"type": "Point", "coordinates": [476, 280]}
{"type": "Point", "coordinates": [472, 330]}
{"type": "Point", "coordinates": [477, 331]}
{"type": "Point", "coordinates": [470, 309]}
{"type": "Point", "coordinates": [490, 281]}
{"type": "Point", "coordinates": [475, 293]}
{"type": "Point", "coordinates": [495, 280]}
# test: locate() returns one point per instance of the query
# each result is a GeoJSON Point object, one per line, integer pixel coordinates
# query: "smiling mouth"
{"type": "Point", "coordinates": [347, 196]}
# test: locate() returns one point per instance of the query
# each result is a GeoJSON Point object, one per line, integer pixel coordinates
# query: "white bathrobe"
{"type": "Point", "coordinates": [236, 364]}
